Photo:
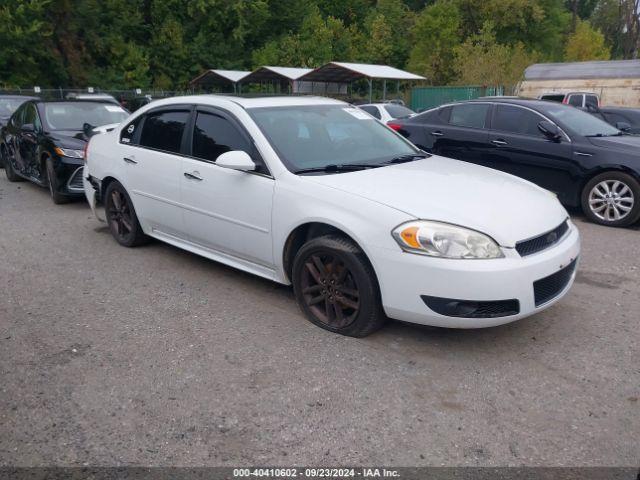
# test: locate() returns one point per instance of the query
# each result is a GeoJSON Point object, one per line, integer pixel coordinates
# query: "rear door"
{"type": "Point", "coordinates": [226, 210]}
{"type": "Point", "coordinates": [463, 133]}
{"type": "Point", "coordinates": [519, 148]}
{"type": "Point", "coordinates": [151, 156]}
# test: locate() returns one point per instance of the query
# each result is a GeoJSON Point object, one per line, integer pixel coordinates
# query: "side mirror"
{"type": "Point", "coordinates": [236, 160]}
{"type": "Point", "coordinates": [624, 126]}
{"type": "Point", "coordinates": [550, 130]}
{"type": "Point", "coordinates": [28, 128]}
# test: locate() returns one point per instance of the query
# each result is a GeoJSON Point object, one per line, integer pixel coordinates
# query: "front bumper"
{"type": "Point", "coordinates": [405, 278]}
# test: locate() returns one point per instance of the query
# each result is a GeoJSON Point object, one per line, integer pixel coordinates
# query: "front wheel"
{"type": "Point", "coordinates": [612, 199]}
{"type": "Point", "coordinates": [336, 287]}
{"type": "Point", "coordinates": [121, 217]}
{"type": "Point", "coordinates": [53, 184]}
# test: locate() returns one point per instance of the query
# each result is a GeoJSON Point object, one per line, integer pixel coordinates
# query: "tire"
{"type": "Point", "coordinates": [11, 174]}
{"type": "Point", "coordinates": [612, 199]}
{"type": "Point", "coordinates": [53, 185]}
{"type": "Point", "coordinates": [336, 287]}
{"type": "Point", "coordinates": [121, 217]}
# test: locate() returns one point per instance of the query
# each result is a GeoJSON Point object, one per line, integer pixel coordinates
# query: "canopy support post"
{"type": "Point", "coordinates": [384, 90]}
{"type": "Point", "coordinates": [370, 88]}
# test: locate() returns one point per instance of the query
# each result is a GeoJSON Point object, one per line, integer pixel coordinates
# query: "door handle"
{"type": "Point", "coordinates": [437, 133]}
{"type": "Point", "coordinates": [193, 176]}
{"type": "Point", "coordinates": [498, 142]}
{"type": "Point", "coordinates": [129, 160]}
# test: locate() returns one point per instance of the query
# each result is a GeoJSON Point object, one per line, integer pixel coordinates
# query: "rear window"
{"type": "Point", "coordinates": [398, 111]}
{"type": "Point", "coordinates": [575, 100]}
{"type": "Point", "coordinates": [163, 130]}
{"type": "Point", "coordinates": [473, 115]}
{"type": "Point", "coordinates": [553, 98]}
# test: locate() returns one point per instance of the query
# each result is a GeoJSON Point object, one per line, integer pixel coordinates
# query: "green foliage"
{"type": "Point", "coordinates": [165, 43]}
{"type": "Point", "coordinates": [481, 60]}
{"type": "Point", "coordinates": [435, 35]}
{"type": "Point", "coordinates": [586, 44]}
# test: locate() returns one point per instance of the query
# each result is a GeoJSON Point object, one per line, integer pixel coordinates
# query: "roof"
{"type": "Point", "coordinates": [213, 76]}
{"type": "Point", "coordinates": [580, 70]}
{"type": "Point", "coordinates": [268, 73]}
{"type": "Point", "coordinates": [251, 102]}
{"type": "Point", "coordinates": [347, 72]}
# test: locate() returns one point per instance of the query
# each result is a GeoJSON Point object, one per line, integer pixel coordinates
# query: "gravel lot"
{"type": "Point", "coordinates": [154, 356]}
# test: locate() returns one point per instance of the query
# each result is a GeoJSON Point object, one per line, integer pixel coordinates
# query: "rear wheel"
{"type": "Point", "coordinates": [336, 287]}
{"type": "Point", "coordinates": [11, 174]}
{"type": "Point", "coordinates": [612, 199]}
{"type": "Point", "coordinates": [121, 217]}
{"type": "Point", "coordinates": [53, 184]}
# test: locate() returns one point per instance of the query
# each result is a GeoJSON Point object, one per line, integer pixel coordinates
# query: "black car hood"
{"type": "Point", "coordinates": [624, 142]}
{"type": "Point", "coordinates": [69, 138]}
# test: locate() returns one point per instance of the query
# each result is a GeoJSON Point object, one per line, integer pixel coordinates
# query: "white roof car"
{"type": "Point", "coordinates": [385, 112]}
{"type": "Point", "coordinates": [315, 193]}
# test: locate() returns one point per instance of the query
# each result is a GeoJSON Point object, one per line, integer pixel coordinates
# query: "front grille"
{"type": "Point", "coordinates": [550, 287]}
{"type": "Point", "coordinates": [542, 242]}
{"type": "Point", "coordinates": [470, 308]}
{"type": "Point", "coordinates": [74, 184]}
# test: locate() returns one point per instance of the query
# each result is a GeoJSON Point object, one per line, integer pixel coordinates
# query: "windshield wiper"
{"type": "Point", "coordinates": [406, 158]}
{"type": "Point", "coordinates": [333, 168]}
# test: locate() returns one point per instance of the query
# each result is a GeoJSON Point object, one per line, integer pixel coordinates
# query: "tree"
{"type": "Point", "coordinates": [586, 43]}
{"type": "Point", "coordinates": [481, 60]}
{"type": "Point", "coordinates": [435, 35]}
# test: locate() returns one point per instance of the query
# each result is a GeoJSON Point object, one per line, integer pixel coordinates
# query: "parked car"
{"type": "Point", "coordinates": [8, 105]}
{"type": "Point", "coordinates": [315, 193]}
{"type": "Point", "coordinates": [582, 159]}
{"type": "Point", "coordinates": [44, 142]}
{"type": "Point", "coordinates": [387, 111]}
{"type": "Point", "coordinates": [575, 99]}
{"type": "Point", "coordinates": [623, 118]}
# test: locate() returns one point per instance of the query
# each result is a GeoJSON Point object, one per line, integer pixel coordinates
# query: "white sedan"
{"type": "Point", "coordinates": [315, 193]}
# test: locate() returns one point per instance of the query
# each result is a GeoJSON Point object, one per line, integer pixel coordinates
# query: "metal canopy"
{"type": "Point", "coordinates": [219, 77]}
{"type": "Point", "coordinates": [583, 70]}
{"type": "Point", "coordinates": [348, 72]}
{"type": "Point", "coordinates": [270, 74]}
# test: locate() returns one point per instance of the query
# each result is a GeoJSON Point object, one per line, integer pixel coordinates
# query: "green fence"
{"type": "Point", "coordinates": [423, 98]}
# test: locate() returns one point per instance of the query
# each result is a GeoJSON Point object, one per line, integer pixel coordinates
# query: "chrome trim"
{"type": "Point", "coordinates": [77, 172]}
{"type": "Point", "coordinates": [582, 154]}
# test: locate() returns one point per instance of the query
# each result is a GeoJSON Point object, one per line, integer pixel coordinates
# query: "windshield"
{"type": "Point", "coordinates": [73, 115]}
{"type": "Point", "coordinates": [581, 122]}
{"type": "Point", "coordinates": [398, 111]}
{"type": "Point", "coordinates": [10, 105]}
{"type": "Point", "coordinates": [315, 136]}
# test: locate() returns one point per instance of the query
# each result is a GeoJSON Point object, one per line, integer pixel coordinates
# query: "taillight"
{"type": "Point", "coordinates": [394, 126]}
{"type": "Point", "coordinates": [86, 150]}
{"type": "Point", "coordinates": [565, 100]}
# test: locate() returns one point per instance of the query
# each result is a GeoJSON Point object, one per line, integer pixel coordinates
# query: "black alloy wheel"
{"type": "Point", "coordinates": [121, 217]}
{"type": "Point", "coordinates": [336, 287]}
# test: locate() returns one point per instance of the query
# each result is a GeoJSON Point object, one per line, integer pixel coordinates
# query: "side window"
{"type": "Point", "coordinates": [469, 115]}
{"type": "Point", "coordinates": [508, 118]}
{"type": "Point", "coordinates": [130, 134]}
{"type": "Point", "coordinates": [31, 116]}
{"type": "Point", "coordinates": [163, 130]}
{"type": "Point", "coordinates": [372, 111]}
{"type": "Point", "coordinates": [591, 100]}
{"type": "Point", "coordinates": [16, 120]}
{"type": "Point", "coordinates": [213, 135]}
{"type": "Point", "coordinates": [575, 100]}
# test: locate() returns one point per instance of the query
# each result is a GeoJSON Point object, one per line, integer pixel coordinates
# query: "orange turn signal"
{"type": "Point", "coordinates": [410, 237]}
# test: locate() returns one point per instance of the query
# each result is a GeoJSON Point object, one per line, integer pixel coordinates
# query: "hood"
{"type": "Point", "coordinates": [629, 143]}
{"type": "Point", "coordinates": [69, 138]}
{"type": "Point", "coordinates": [505, 207]}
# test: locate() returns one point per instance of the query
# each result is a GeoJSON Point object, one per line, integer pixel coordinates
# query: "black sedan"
{"type": "Point", "coordinates": [624, 118]}
{"type": "Point", "coordinates": [44, 142]}
{"type": "Point", "coordinates": [582, 159]}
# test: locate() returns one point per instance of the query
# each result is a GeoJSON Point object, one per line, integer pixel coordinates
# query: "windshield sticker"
{"type": "Point", "coordinates": [359, 114]}
{"type": "Point", "coordinates": [113, 108]}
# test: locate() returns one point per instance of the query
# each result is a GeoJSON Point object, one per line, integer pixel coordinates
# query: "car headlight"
{"type": "Point", "coordinates": [444, 240]}
{"type": "Point", "coordinates": [68, 152]}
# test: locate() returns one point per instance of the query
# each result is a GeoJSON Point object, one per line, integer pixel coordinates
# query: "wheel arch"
{"type": "Point", "coordinates": [306, 231]}
{"type": "Point", "coordinates": [604, 169]}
